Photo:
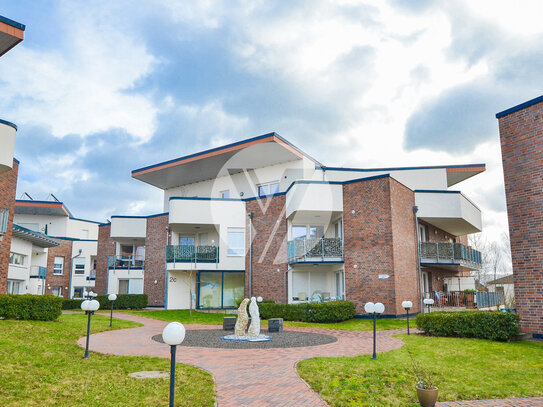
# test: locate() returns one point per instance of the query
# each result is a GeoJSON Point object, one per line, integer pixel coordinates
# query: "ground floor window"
{"type": "Point", "coordinates": [56, 291]}
{"type": "Point", "coordinates": [130, 286]}
{"type": "Point", "coordinates": [15, 287]}
{"type": "Point", "coordinates": [78, 292]}
{"type": "Point", "coordinates": [220, 289]}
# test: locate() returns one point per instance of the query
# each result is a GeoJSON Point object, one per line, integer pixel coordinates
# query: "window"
{"type": "Point", "coordinates": [236, 242]}
{"type": "Point", "coordinates": [84, 234]}
{"type": "Point", "coordinates": [268, 189]}
{"type": "Point", "coordinates": [225, 194]}
{"type": "Point", "coordinates": [56, 291]}
{"type": "Point", "coordinates": [316, 232]}
{"type": "Point", "coordinates": [14, 287]}
{"type": "Point", "coordinates": [16, 259]}
{"type": "Point", "coordinates": [338, 230]}
{"type": "Point", "coordinates": [78, 292]}
{"type": "Point", "coordinates": [123, 286]}
{"type": "Point", "coordinates": [299, 232]}
{"type": "Point", "coordinates": [58, 267]}
{"type": "Point", "coordinates": [186, 240]}
{"type": "Point", "coordinates": [422, 233]}
{"type": "Point", "coordinates": [79, 267]}
{"type": "Point", "coordinates": [4, 221]}
{"type": "Point", "coordinates": [126, 251]}
{"type": "Point", "coordinates": [303, 231]}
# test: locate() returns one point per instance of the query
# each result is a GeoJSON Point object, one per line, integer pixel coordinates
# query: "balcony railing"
{"type": "Point", "coordinates": [192, 254]}
{"type": "Point", "coordinates": [461, 299]}
{"type": "Point", "coordinates": [315, 250]}
{"type": "Point", "coordinates": [38, 272]}
{"type": "Point", "coordinates": [450, 253]}
{"type": "Point", "coordinates": [125, 262]}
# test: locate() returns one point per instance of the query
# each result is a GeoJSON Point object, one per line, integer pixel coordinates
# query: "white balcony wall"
{"type": "Point", "coordinates": [314, 198]}
{"type": "Point", "coordinates": [125, 228]}
{"type": "Point", "coordinates": [449, 211]}
{"type": "Point", "coordinates": [56, 225]}
{"type": "Point", "coordinates": [413, 179]}
{"type": "Point", "coordinates": [7, 141]}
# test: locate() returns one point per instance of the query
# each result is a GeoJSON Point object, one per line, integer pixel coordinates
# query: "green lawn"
{"type": "Point", "coordinates": [464, 369]}
{"type": "Point", "coordinates": [184, 317]}
{"type": "Point", "coordinates": [41, 365]}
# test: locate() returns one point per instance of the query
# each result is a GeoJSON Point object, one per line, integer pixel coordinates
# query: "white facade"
{"type": "Point", "coordinates": [7, 141]}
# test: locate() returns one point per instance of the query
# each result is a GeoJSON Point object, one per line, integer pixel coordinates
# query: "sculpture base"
{"type": "Point", "coordinates": [235, 338]}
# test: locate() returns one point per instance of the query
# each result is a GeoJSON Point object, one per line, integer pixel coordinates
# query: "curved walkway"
{"type": "Point", "coordinates": [243, 377]}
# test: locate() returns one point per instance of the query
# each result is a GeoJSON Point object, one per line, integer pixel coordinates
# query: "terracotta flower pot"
{"type": "Point", "coordinates": [427, 397]}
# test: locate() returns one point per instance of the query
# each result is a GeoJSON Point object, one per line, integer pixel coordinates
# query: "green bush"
{"type": "Point", "coordinates": [123, 301]}
{"type": "Point", "coordinates": [30, 307]}
{"type": "Point", "coordinates": [496, 326]}
{"type": "Point", "coordinates": [335, 311]}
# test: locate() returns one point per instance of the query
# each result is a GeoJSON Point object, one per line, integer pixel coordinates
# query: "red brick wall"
{"type": "Point", "coordinates": [404, 239]}
{"type": "Point", "coordinates": [63, 250]}
{"type": "Point", "coordinates": [155, 260]}
{"type": "Point", "coordinates": [368, 238]}
{"type": "Point", "coordinates": [269, 262]}
{"type": "Point", "coordinates": [8, 186]}
{"type": "Point", "coordinates": [106, 247]}
{"type": "Point", "coordinates": [521, 134]}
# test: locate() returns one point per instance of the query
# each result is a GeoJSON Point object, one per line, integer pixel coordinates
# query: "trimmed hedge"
{"type": "Point", "coordinates": [123, 301]}
{"type": "Point", "coordinates": [334, 311]}
{"type": "Point", "coordinates": [496, 326]}
{"type": "Point", "coordinates": [30, 307]}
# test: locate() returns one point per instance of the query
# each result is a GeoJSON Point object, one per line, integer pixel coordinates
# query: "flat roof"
{"type": "Point", "coordinates": [267, 149]}
{"type": "Point", "coordinates": [519, 107]}
{"type": "Point", "coordinates": [28, 207]}
{"type": "Point", "coordinates": [11, 33]}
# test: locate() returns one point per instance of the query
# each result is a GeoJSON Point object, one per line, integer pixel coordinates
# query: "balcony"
{"type": "Point", "coordinates": [125, 262]}
{"type": "Point", "coordinates": [38, 272]}
{"type": "Point", "coordinates": [318, 198]}
{"type": "Point", "coordinates": [450, 211]}
{"type": "Point", "coordinates": [131, 228]}
{"type": "Point", "coordinates": [323, 250]}
{"type": "Point", "coordinates": [7, 141]}
{"type": "Point", "coordinates": [450, 254]}
{"type": "Point", "coordinates": [192, 254]}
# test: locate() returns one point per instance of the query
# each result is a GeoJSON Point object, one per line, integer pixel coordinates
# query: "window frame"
{"type": "Point", "coordinates": [13, 256]}
{"type": "Point", "coordinates": [55, 264]}
{"type": "Point", "coordinates": [267, 186]}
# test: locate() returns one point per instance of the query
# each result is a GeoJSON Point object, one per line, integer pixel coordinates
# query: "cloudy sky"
{"type": "Point", "coordinates": [99, 88]}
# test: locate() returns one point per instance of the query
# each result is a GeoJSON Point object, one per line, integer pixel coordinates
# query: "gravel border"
{"type": "Point", "coordinates": [211, 338]}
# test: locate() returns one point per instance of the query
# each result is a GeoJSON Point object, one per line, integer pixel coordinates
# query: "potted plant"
{"type": "Point", "coordinates": [426, 389]}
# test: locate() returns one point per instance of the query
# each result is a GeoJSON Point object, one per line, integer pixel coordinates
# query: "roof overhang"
{"type": "Point", "coordinates": [11, 33]}
{"type": "Point", "coordinates": [47, 208]}
{"type": "Point", "coordinates": [36, 238]}
{"type": "Point", "coordinates": [459, 173]}
{"type": "Point", "coordinates": [266, 150]}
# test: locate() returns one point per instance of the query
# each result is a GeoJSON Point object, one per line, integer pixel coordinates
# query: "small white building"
{"type": "Point", "coordinates": [504, 285]}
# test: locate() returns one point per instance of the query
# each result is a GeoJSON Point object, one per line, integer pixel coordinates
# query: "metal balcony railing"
{"type": "Point", "coordinates": [125, 262]}
{"type": "Point", "coordinates": [315, 250]}
{"type": "Point", "coordinates": [192, 254]}
{"type": "Point", "coordinates": [450, 253]}
{"type": "Point", "coordinates": [38, 272]}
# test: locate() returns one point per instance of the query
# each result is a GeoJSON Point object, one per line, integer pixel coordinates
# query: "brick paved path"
{"type": "Point", "coordinates": [261, 377]}
{"type": "Point", "coordinates": [243, 377]}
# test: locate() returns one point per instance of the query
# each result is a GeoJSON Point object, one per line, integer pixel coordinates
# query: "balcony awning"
{"type": "Point", "coordinates": [262, 151]}
{"type": "Point", "coordinates": [48, 208]}
{"type": "Point", "coordinates": [36, 238]}
{"type": "Point", "coordinates": [11, 33]}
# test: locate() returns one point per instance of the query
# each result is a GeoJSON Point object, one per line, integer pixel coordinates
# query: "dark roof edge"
{"type": "Point", "coordinates": [10, 124]}
{"type": "Point", "coordinates": [13, 23]}
{"type": "Point", "coordinates": [431, 167]}
{"type": "Point", "coordinates": [519, 107]}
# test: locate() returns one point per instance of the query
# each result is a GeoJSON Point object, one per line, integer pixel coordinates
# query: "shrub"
{"type": "Point", "coordinates": [123, 301]}
{"type": "Point", "coordinates": [335, 311]}
{"type": "Point", "coordinates": [496, 326]}
{"type": "Point", "coordinates": [30, 307]}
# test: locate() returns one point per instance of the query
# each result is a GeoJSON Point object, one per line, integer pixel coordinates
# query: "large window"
{"type": "Point", "coordinates": [58, 267]}
{"type": "Point", "coordinates": [268, 189]}
{"type": "Point", "coordinates": [79, 292]}
{"type": "Point", "coordinates": [219, 289]}
{"type": "Point", "coordinates": [307, 231]}
{"type": "Point", "coordinates": [56, 291]}
{"type": "Point", "coordinates": [15, 287]}
{"type": "Point", "coordinates": [16, 259]}
{"type": "Point", "coordinates": [186, 240]}
{"type": "Point", "coordinates": [236, 242]}
{"type": "Point", "coordinates": [130, 286]}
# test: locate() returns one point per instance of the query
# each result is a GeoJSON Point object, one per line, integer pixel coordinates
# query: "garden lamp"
{"type": "Point", "coordinates": [374, 310]}
{"type": "Point", "coordinates": [428, 302]}
{"type": "Point", "coordinates": [259, 299]}
{"type": "Point", "coordinates": [173, 335]}
{"type": "Point", "coordinates": [407, 306]}
{"type": "Point", "coordinates": [89, 306]}
{"type": "Point", "coordinates": [112, 298]}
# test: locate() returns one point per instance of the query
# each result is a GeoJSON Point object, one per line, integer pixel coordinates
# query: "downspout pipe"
{"type": "Point", "coordinates": [71, 272]}
{"type": "Point", "coordinates": [250, 215]}
{"type": "Point", "coordinates": [421, 294]}
{"type": "Point", "coordinates": [166, 282]}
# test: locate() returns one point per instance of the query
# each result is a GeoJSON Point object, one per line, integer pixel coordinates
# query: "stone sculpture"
{"type": "Point", "coordinates": [254, 328]}
{"type": "Point", "coordinates": [243, 319]}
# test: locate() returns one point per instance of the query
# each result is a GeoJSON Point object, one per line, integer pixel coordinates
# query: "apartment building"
{"type": "Point", "coordinates": [521, 135]}
{"type": "Point", "coordinates": [11, 34]}
{"type": "Point", "coordinates": [70, 262]}
{"type": "Point", "coordinates": [261, 217]}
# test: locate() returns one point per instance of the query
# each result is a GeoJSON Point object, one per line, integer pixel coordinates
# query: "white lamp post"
{"type": "Point", "coordinates": [407, 306]}
{"type": "Point", "coordinates": [428, 302]}
{"type": "Point", "coordinates": [374, 310]}
{"type": "Point", "coordinates": [89, 306]}
{"type": "Point", "coordinates": [173, 335]}
{"type": "Point", "coordinates": [112, 298]}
